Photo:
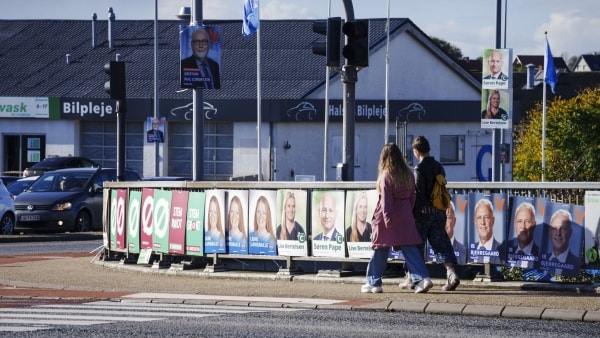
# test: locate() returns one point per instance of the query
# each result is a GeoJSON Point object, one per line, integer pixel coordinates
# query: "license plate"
{"type": "Point", "coordinates": [29, 218]}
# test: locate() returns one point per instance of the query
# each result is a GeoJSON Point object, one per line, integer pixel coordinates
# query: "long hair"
{"type": "Point", "coordinates": [488, 111]}
{"type": "Point", "coordinates": [241, 226]}
{"type": "Point", "coordinates": [393, 163]}
{"type": "Point", "coordinates": [269, 224]}
{"type": "Point", "coordinates": [283, 232]}
{"type": "Point", "coordinates": [354, 231]}
{"type": "Point", "coordinates": [219, 224]}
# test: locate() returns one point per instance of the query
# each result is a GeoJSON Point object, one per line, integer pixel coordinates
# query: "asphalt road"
{"type": "Point", "coordinates": [84, 271]}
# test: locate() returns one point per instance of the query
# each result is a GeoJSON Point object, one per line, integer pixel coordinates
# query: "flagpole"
{"type": "Point", "coordinates": [258, 93]}
{"type": "Point", "coordinates": [387, 78]}
{"type": "Point", "coordinates": [544, 108]}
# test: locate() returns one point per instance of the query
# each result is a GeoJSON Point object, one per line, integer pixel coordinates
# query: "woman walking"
{"type": "Point", "coordinates": [394, 224]}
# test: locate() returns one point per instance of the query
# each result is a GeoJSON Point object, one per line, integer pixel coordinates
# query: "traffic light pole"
{"type": "Point", "coordinates": [349, 77]}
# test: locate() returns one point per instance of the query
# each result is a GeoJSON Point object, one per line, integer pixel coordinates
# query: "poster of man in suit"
{"type": "Point", "coordinates": [200, 57]}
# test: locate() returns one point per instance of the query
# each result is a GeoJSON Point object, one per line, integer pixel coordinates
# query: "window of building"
{"type": "Point", "coordinates": [452, 149]}
{"type": "Point", "coordinates": [99, 143]}
{"type": "Point", "coordinates": [218, 150]}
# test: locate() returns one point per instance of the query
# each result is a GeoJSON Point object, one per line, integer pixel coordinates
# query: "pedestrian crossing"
{"type": "Point", "coordinates": [42, 317]}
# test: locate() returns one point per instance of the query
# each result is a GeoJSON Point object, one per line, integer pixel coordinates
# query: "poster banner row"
{"type": "Point", "coordinates": [516, 231]}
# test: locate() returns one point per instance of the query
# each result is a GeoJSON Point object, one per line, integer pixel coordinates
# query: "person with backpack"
{"type": "Point", "coordinates": [430, 220]}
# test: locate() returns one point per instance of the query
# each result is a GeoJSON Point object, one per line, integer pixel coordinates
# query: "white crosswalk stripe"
{"type": "Point", "coordinates": [41, 317]}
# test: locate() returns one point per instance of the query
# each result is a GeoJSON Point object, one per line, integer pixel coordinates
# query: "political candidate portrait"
{"type": "Point", "coordinates": [522, 247]}
{"type": "Point", "coordinates": [486, 249]}
{"type": "Point", "coordinates": [154, 134]}
{"type": "Point", "coordinates": [560, 231]}
{"type": "Point", "coordinates": [327, 216]}
{"type": "Point", "coordinates": [495, 63]}
{"type": "Point", "coordinates": [198, 70]}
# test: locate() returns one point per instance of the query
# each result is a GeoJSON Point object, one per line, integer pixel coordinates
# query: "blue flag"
{"type": "Point", "coordinates": [251, 19]}
{"type": "Point", "coordinates": [550, 75]}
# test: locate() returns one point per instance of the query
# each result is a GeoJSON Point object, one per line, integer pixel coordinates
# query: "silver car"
{"type": "Point", "coordinates": [7, 211]}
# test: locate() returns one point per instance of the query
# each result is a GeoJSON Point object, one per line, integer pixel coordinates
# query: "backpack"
{"type": "Point", "coordinates": [440, 197]}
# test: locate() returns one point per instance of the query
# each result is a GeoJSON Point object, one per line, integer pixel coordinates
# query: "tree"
{"type": "Point", "coordinates": [449, 48]}
{"type": "Point", "coordinates": [572, 140]}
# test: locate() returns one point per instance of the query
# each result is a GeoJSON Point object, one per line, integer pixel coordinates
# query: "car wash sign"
{"type": "Point", "coordinates": [24, 107]}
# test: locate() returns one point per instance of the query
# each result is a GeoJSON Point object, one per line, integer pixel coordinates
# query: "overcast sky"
{"type": "Point", "coordinates": [470, 25]}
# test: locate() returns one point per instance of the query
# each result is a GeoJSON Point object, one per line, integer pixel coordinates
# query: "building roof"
{"type": "Point", "coordinates": [34, 58]}
{"type": "Point", "coordinates": [538, 61]}
{"type": "Point", "coordinates": [588, 63]}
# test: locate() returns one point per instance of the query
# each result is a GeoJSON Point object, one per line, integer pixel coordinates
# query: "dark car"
{"type": "Point", "coordinates": [18, 186]}
{"type": "Point", "coordinates": [66, 200]}
{"type": "Point", "coordinates": [60, 162]}
{"type": "Point", "coordinates": [7, 180]}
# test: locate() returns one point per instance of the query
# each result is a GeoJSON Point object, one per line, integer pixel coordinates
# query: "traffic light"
{"type": "Point", "coordinates": [356, 50]}
{"type": "Point", "coordinates": [116, 85]}
{"type": "Point", "coordinates": [331, 47]}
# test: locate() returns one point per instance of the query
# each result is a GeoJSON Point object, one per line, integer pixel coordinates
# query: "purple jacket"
{"type": "Point", "coordinates": [393, 221]}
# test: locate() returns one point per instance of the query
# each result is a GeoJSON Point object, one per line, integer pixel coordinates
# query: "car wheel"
{"type": "Point", "coordinates": [8, 224]}
{"type": "Point", "coordinates": [83, 222]}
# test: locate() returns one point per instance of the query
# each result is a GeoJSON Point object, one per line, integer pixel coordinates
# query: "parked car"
{"type": "Point", "coordinates": [7, 179]}
{"type": "Point", "coordinates": [7, 211]}
{"type": "Point", "coordinates": [66, 200]}
{"type": "Point", "coordinates": [59, 162]}
{"type": "Point", "coordinates": [18, 186]}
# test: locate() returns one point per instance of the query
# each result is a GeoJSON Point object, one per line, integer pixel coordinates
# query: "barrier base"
{"type": "Point", "coordinates": [334, 273]}
{"type": "Point", "coordinates": [215, 268]}
{"type": "Point", "coordinates": [289, 271]}
{"type": "Point", "coordinates": [160, 265]}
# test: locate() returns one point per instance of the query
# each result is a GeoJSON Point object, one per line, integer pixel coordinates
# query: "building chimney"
{"type": "Point", "coordinates": [111, 27]}
{"type": "Point", "coordinates": [530, 76]}
{"type": "Point", "coordinates": [94, 17]}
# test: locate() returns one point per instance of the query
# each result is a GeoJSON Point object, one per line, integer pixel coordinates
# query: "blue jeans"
{"type": "Point", "coordinates": [413, 261]}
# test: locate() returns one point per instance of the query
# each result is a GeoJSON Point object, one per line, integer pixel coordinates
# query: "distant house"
{"type": "Point", "coordinates": [587, 63]}
{"type": "Point", "coordinates": [521, 61]}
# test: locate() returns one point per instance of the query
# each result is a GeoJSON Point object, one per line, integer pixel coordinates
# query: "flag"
{"type": "Point", "coordinates": [550, 71]}
{"type": "Point", "coordinates": [251, 19]}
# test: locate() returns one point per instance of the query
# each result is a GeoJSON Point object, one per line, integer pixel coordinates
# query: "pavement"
{"type": "Point", "coordinates": [80, 277]}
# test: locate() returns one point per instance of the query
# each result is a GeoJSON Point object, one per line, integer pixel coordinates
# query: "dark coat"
{"type": "Point", "coordinates": [425, 173]}
{"type": "Point", "coordinates": [190, 62]}
{"type": "Point", "coordinates": [393, 222]}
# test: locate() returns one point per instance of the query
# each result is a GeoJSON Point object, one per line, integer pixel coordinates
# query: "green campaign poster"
{"type": "Point", "coordinates": [161, 219]}
{"type": "Point", "coordinates": [194, 229]}
{"type": "Point", "coordinates": [133, 221]}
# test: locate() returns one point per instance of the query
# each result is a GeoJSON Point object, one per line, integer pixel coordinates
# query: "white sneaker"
{"type": "Point", "coordinates": [451, 282]}
{"type": "Point", "coordinates": [371, 289]}
{"type": "Point", "coordinates": [423, 285]}
{"type": "Point", "coordinates": [407, 283]}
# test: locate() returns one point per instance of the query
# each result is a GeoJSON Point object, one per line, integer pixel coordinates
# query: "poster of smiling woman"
{"type": "Point", "coordinates": [292, 239]}
{"type": "Point", "coordinates": [360, 205]}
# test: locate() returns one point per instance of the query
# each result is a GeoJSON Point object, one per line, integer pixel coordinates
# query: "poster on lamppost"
{"type": "Point", "coordinates": [200, 56]}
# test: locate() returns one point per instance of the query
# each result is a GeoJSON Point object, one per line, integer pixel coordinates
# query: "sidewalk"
{"type": "Point", "coordinates": [69, 277]}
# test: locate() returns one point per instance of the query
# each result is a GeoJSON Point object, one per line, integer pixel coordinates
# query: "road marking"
{"type": "Point", "coordinates": [43, 317]}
